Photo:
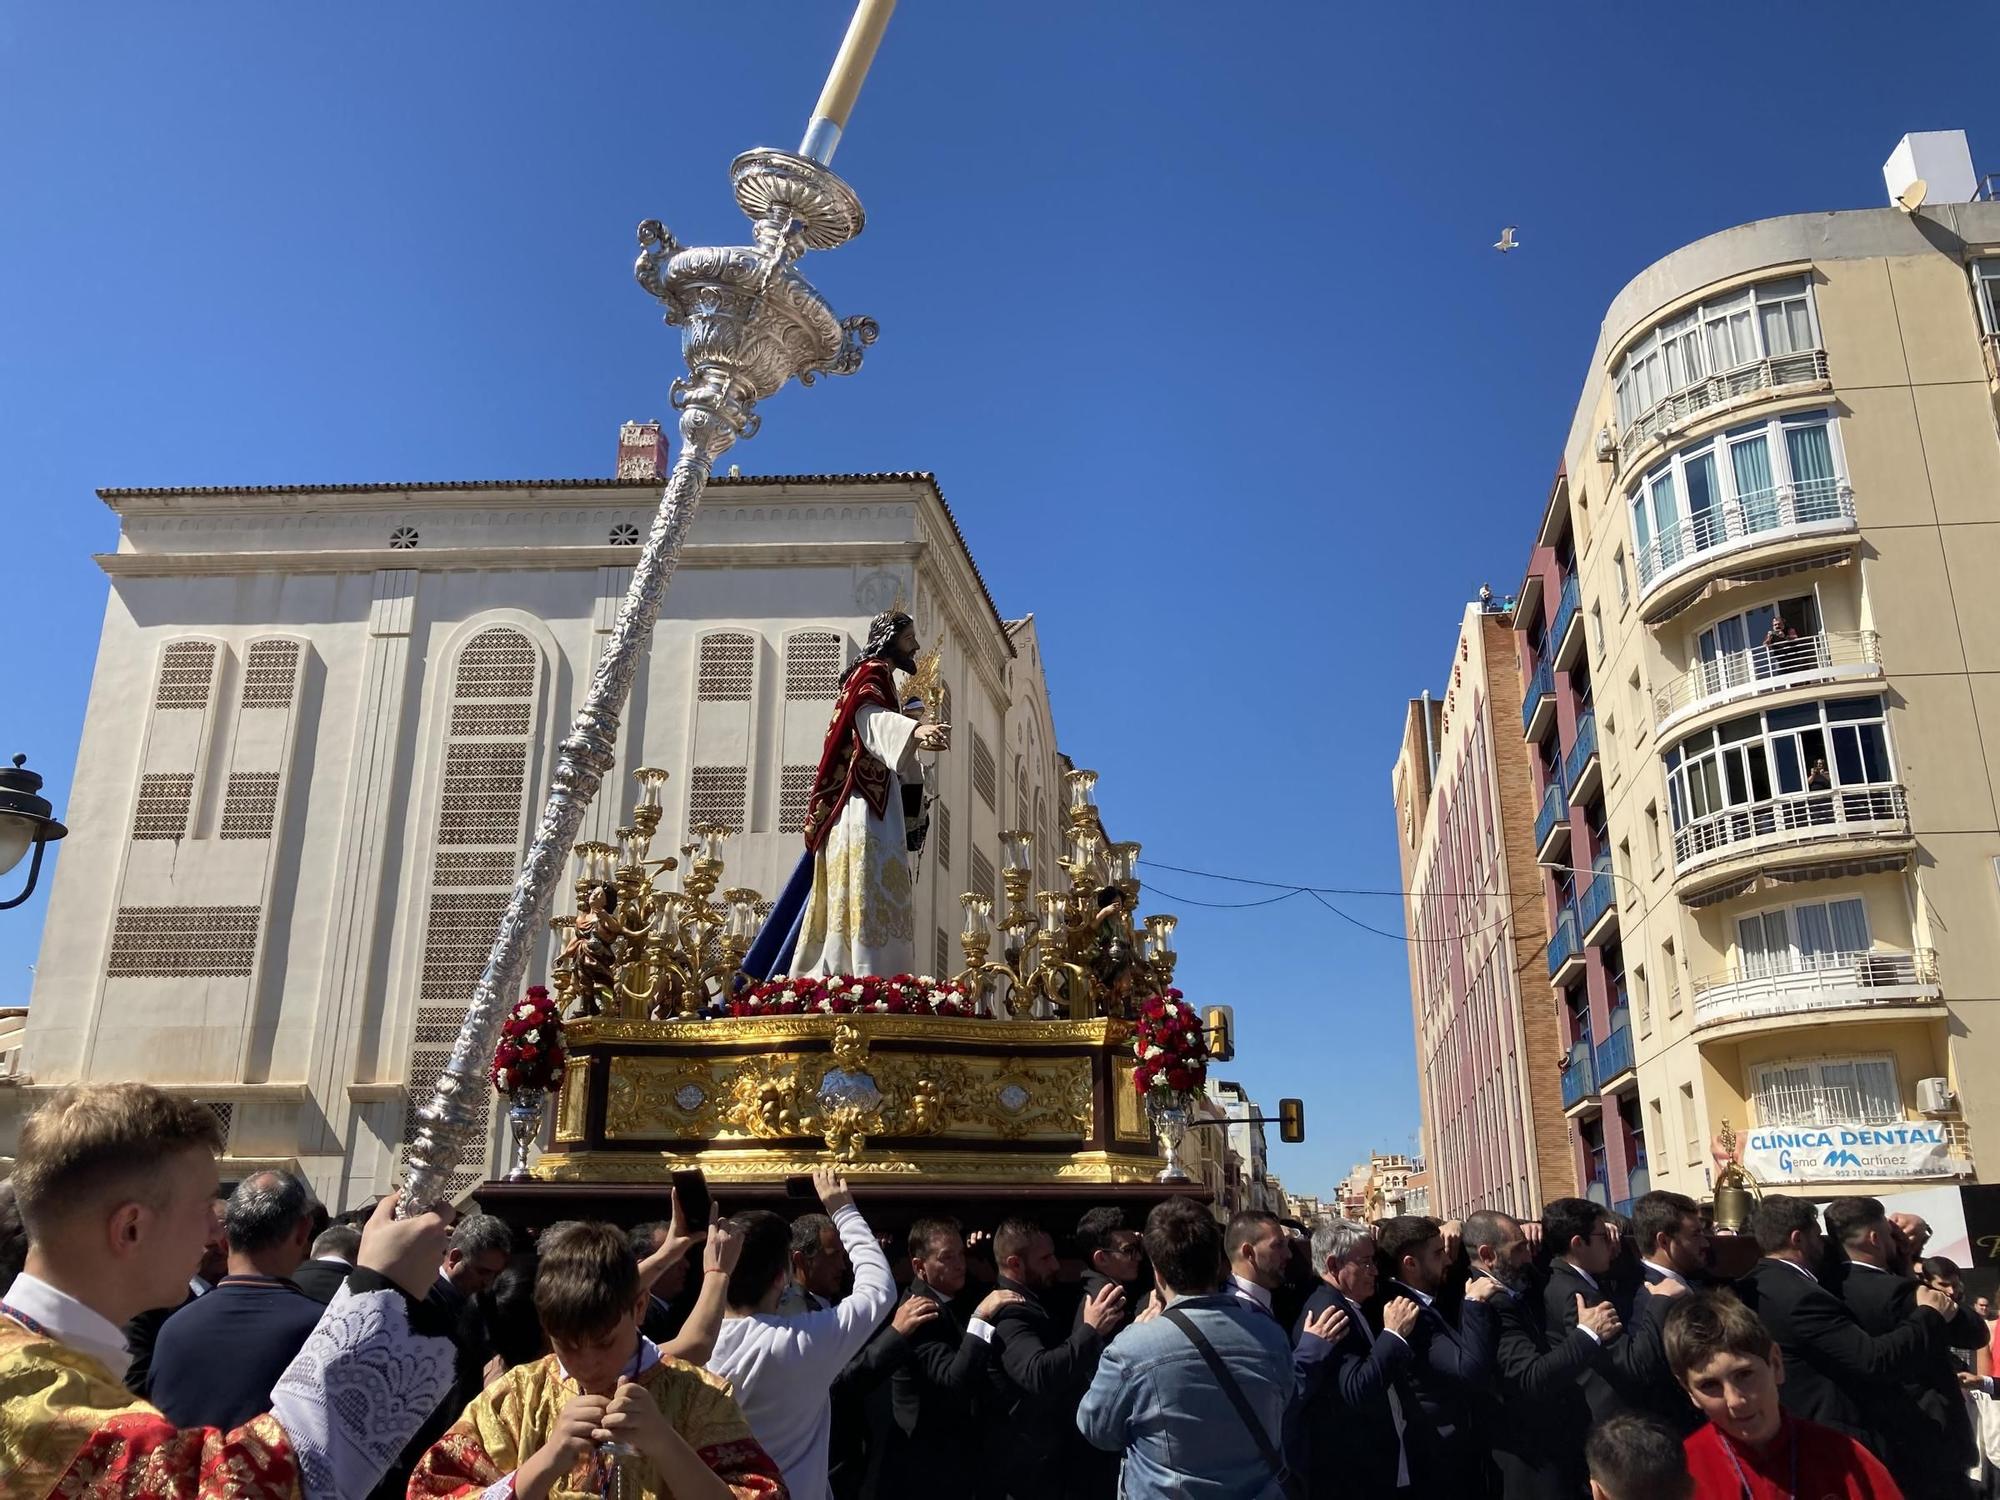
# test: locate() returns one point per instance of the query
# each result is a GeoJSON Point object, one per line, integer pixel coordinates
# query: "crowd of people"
{"type": "Point", "coordinates": [158, 1338]}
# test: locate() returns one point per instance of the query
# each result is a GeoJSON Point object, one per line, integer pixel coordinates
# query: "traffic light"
{"type": "Point", "coordinates": [1219, 1025]}
{"type": "Point", "coordinates": [1291, 1121]}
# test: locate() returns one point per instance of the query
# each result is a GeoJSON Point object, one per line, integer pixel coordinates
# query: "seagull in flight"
{"type": "Point", "coordinates": [1507, 241]}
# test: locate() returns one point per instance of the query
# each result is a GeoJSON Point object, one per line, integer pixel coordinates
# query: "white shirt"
{"type": "Point", "coordinates": [1667, 1273]}
{"type": "Point", "coordinates": [1862, 1265]}
{"type": "Point", "coordinates": [70, 1323]}
{"type": "Point", "coordinates": [1252, 1293]}
{"type": "Point", "coordinates": [1796, 1267]}
{"type": "Point", "coordinates": [783, 1369]}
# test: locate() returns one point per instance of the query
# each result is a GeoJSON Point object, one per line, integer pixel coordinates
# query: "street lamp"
{"type": "Point", "coordinates": [25, 822]}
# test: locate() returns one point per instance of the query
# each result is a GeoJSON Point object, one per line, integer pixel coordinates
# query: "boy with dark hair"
{"type": "Point", "coordinates": [1637, 1458]}
{"type": "Point", "coordinates": [527, 1432]}
{"type": "Point", "coordinates": [1751, 1447]}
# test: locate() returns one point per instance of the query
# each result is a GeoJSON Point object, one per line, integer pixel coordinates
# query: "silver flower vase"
{"type": "Point", "coordinates": [524, 1118]}
{"type": "Point", "coordinates": [1170, 1123]}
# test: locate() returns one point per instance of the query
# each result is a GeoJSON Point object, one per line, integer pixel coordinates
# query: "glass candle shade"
{"type": "Point", "coordinates": [1081, 785]}
{"type": "Point", "coordinates": [650, 779]}
{"type": "Point", "coordinates": [1017, 849]}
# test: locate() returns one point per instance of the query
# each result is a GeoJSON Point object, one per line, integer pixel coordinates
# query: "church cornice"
{"type": "Point", "coordinates": [540, 559]}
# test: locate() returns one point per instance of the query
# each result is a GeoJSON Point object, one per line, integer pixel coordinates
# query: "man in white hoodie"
{"type": "Point", "coordinates": [782, 1368]}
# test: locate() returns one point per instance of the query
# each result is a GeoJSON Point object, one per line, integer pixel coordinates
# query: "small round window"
{"type": "Point", "coordinates": [625, 534]}
{"type": "Point", "coordinates": [403, 538]}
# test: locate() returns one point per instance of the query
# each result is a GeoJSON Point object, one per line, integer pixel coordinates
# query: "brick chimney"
{"type": "Point", "coordinates": [642, 451]}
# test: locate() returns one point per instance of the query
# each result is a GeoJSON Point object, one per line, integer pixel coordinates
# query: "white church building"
{"type": "Point", "coordinates": [323, 719]}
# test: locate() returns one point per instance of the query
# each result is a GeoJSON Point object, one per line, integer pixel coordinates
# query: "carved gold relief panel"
{"type": "Point", "coordinates": [575, 1099]}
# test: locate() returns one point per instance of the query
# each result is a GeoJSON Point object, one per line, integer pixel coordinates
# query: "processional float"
{"type": "Point", "coordinates": [1021, 1069]}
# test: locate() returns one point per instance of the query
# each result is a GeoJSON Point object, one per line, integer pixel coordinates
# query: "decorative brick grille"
{"type": "Point", "coordinates": [941, 959]}
{"type": "Point", "coordinates": [164, 800]}
{"type": "Point", "coordinates": [985, 776]}
{"type": "Point", "coordinates": [490, 718]}
{"type": "Point", "coordinates": [225, 1116]}
{"type": "Point", "coordinates": [982, 875]}
{"type": "Point", "coordinates": [496, 663]}
{"type": "Point", "coordinates": [716, 796]}
{"type": "Point", "coordinates": [250, 805]}
{"type": "Point", "coordinates": [183, 942]}
{"type": "Point", "coordinates": [813, 662]}
{"type": "Point", "coordinates": [941, 832]}
{"type": "Point", "coordinates": [457, 937]}
{"type": "Point", "coordinates": [795, 786]}
{"type": "Point", "coordinates": [728, 663]}
{"type": "Point", "coordinates": [473, 869]}
{"type": "Point", "coordinates": [186, 670]}
{"type": "Point", "coordinates": [269, 672]}
{"type": "Point", "coordinates": [1020, 794]}
{"type": "Point", "coordinates": [484, 782]}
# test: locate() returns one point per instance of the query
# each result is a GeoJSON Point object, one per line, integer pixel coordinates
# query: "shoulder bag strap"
{"type": "Point", "coordinates": [1272, 1458]}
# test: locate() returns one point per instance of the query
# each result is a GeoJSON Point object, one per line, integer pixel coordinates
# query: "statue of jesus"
{"type": "Point", "coordinates": [849, 907]}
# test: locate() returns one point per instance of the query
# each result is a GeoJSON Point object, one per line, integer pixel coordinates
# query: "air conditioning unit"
{"type": "Point", "coordinates": [1934, 1097]}
{"type": "Point", "coordinates": [1607, 448]}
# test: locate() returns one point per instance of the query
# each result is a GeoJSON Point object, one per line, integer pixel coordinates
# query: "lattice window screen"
{"type": "Point", "coordinates": [480, 833]}
{"type": "Point", "coordinates": [1020, 793]}
{"type": "Point", "coordinates": [941, 818]}
{"type": "Point", "coordinates": [225, 1116]}
{"type": "Point", "coordinates": [250, 805]}
{"type": "Point", "coordinates": [183, 942]}
{"type": "Point", "coordinates": [813, 662]}
{"type": "Point", "coordinates": [728, 662]}
{"type": "Point", "coordinates": [795, 786]}
{"type": "Point", "coordinates": [985, 776]}
{"type": "Point", "coordinates": [269, 671]}
{"type": "Point", "coordinates": [717, 796]}
{"type": "Point", "coordinates": [186, 670]}
{"type": "Point", "coordinates": [942, 964]}
{"type": "Point", "coordinates": [982, 875]}
{"type": "Point", "coordinates": [164, 799]}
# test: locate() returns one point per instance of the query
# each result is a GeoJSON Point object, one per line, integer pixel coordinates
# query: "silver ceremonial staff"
{"type": "Point", "coordinates": [749, 322]}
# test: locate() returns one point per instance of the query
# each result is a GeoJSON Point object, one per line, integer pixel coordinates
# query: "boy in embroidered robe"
{"type": "Point", "coordinates": [540, 1431]}
{"type": "Point", "coordinates": [116, 1186]}
{"type": "Point", "coordinates": [1752, 1448]}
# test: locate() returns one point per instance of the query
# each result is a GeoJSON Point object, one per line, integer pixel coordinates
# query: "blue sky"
{"type": "Point", "coordinates": [1189, 307]}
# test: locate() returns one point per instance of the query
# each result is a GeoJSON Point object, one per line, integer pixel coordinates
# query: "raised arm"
{"type": "Point", "coordinates": [696, 1340]}
{"type": "Point", "coordinates": [1843, 1348]}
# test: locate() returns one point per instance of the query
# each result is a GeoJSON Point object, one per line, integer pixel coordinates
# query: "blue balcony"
{"type": "Point", "coordinates": [1538, 708]}
{"type": "Point", "coordinates": [1552, 826]}
{"type": "Point", "coordinates": [1598, 901]}
{"type": "Point", "coordinates": [1614, 1054]}
{"type": "Point", "coordinates": [1568, 631]}
{"type": "Point", "coordinates": [1640, 1181]}
{"type": "Point", "coordinates": [1580, 1077]}
{"type": "Point", "coordinates": [1565, 947]}
{"type": "Point", "coordinates": [1582, 770]}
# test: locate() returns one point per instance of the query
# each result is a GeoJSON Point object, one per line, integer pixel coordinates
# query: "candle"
{"type": "Point", "coordinates": [843, 83]}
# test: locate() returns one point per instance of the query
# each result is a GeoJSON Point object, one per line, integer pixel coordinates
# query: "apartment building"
{"type": "Point", "coordinates": [1761, 639]}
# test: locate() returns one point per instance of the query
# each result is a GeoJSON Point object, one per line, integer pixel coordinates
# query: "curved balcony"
{"type": "Point", "coordinates": [1830, 656]}
{"type": "Point", "coordinates": [1849, 824]}
{"type": "Point", "coordinates": [1538, 706]}
{"type": "Point", "coordinates": [1565, 948]}
{"type": "Point", "coordinates": [1579, 1078]}
{"type": "Point", "coordinates": [1715, 393]}
{"type": "Point", "coordinates": [1809, 984]}
{"type": "Point", "coordinates": [1787, 522]}
{"type": "Point", "coordinates": [1552, 826]}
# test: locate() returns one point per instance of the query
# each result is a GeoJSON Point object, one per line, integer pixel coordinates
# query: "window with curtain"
{"type": "Point", "coordinates": [1723, 334]}
{"type": "Point", "coordinates": [1801, 939]}
{"type": "Point", "coordinates": [1806, 747]}
{"type": "Point", "coordinates": [1849, 1090]}
{"type": "Point", "coordinates": [1754, 478]}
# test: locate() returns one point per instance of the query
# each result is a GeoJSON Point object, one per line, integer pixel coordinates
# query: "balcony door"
{"type": "Point", "coordinates": [1802, 939]}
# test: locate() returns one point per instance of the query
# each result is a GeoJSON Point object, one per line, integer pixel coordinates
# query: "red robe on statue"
{"type": "Point", "coordinates": [846, 768]}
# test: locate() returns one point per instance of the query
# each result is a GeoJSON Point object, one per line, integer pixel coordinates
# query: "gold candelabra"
{"type": "Point", "coordinates": [1075, 950]}
{"type": "Point", "coordinates": [638, 947]}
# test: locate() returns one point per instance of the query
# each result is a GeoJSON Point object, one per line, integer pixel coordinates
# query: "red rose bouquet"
{"type": "Point", "coordinates": [529, 1057]}
{"type": "Point", "coordinates": [862, 994]}
{"type": "Point", "coordinates": [1170, 1046]}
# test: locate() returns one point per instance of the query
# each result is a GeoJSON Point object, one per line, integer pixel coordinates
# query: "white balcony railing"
{"type": "Point", "coordinates": [1806, 367]}
{"type": "Point", "coordinates": [1827, 657]}
{"type": "Point", "coordinates": [1795, 819]}
{"type": "Point", "coordinates": [1818, 506]}
{"type": "Point", "coordinates": [1801, 983]}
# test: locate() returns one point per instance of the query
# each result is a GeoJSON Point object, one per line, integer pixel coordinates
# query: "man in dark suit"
{"type": "Point", "coordinates": [1112, 1252]}
{"type": "Point", "coordinates": [1674, 1244]}
{"type": "Point", "coordinates": [1537, 1417]}
{"type": "Point", "coordinates": [1833, 1366]}
{"type": "Point", "coordinates": [1579, 1233]}
{"type": "Point", "coordinates": [1451, 1359]}
{"type": "Point", "coordinates": [1342, 1435]}
{"type": "Point", "coordinates": [332, 1258]}
{"type": "Point", "coordinates": [1038, 1375]}
{"type": "Point", "coordinates": [935, 1392]}
{"type": "Point", "coordinates": [220, 1356]}
{"type": "Point", "coordinates": [1920, 1452]}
